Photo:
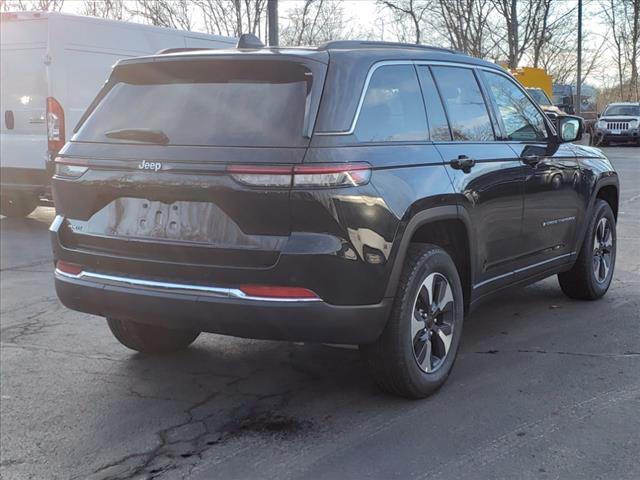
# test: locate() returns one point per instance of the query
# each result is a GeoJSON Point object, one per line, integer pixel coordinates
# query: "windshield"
{"type": "Point", "coordinates": [623, 110]}
{"type": "Point", "coordinates": [221, 103]}
{"type": "Point", "coordinates": [539, 96]}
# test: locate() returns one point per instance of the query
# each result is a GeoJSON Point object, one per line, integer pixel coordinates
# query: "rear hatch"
{"type": "Point", "coordinates": [184, 156]}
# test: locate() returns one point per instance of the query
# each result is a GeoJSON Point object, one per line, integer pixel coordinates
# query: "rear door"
{"type": "Point", "coordinates": [492, 186]}
{"type": "Point", "coordinates": [23, 93]}
{"type": "Point", "coordinates": [176, 150]}
{"type": "Point", "coordinates": [552, 203]}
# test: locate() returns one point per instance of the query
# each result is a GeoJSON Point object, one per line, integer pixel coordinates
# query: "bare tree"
{"type": "Point", "coordinates": [466, 24]}
{"type": "Point", "coordinates": [234, 17]}
{"type": "Point", "coordinates": [163, 13]}
{"type": "Point", "coordinates": [315, 22]}
{"type": "Point", "coordinates": [413, 10]}
{"type": "Point", "coordinates": [113, 9]}
{"type": "Point", "coordinates": [526, 26]}
{"type": "Point", "coordinates": [31, 5]}
{"type": "Point", "coordinates": [623, 20]}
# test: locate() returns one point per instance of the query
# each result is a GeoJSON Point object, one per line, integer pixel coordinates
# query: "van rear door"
{"type": "Point", "coordinates": [190, 159]}
{"type": "Point", "coordinates": [23, 135]}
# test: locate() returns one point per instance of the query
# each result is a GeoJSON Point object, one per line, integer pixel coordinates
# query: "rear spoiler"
{"type": "Point", "coordinates": [166, 51]}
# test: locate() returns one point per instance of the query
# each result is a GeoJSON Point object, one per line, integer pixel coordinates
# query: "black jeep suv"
{"type": "Point", "coordinates": [357, 193]}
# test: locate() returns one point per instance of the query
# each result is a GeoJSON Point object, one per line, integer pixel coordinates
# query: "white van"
{"type": "Point", "coordinates": [53, 65]}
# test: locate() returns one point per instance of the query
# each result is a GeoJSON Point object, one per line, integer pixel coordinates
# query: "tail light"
{"type": "Point", "coordinates": [268, 291]}
{"type": "Point", "coordinates": [309, 176]}
{"type": "Point", "coordinates": [70, 167]}
{"type": "Point", "coordinates": [69, 268]}
{"type": "Point", "coordinates": [55, 125]}
{"type": "Point", "coordinates": [262, 176]}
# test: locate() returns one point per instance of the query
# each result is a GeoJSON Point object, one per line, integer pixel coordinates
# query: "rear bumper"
{"type": "Point", "coordinates": [24, 180]}
{"type": "Point", "coordinates": [182, 306]}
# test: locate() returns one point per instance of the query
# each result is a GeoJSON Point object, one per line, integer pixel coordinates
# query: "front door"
{"type": "Point", "coordinates": [551, 177]}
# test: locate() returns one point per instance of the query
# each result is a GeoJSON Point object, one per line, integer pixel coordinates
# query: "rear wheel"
{"type": "Point", "coordinates": [416, 352]}
{"type": "Point", "coordinates": [17, 205]}
{"type": "Point", "coordinates": [591, 275]}
{"type": "Point", "coordinates": [149, 338]}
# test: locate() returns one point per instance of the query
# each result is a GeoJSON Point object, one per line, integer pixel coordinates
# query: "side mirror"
{"type": "Point", "coordinates": [570, 128]}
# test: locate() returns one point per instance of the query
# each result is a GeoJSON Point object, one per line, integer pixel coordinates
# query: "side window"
{"type": "Point", "coordinates": [392, 109]}
{"type": "Point", "coordinates": [438, 126]}
{"type": "Point", "coordinates": [468, 114]}
{"type": "Point", "coordinates": [521, 119]}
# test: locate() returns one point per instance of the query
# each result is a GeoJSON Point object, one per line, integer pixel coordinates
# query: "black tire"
{"type": "Point", "coordinates": [149, 338]}
{"type": "Point", "coordinates": [392, 359]}
{"type": "Point", "coordinates": [583, 282]}
{"type": "Point", "coordinates": [17, 205]}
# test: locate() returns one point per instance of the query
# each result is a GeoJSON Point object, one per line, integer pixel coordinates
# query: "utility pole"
{"type": "Point", "coordinates": [272, 13]}
{"type": "Point", "coordinates": [578, 105]}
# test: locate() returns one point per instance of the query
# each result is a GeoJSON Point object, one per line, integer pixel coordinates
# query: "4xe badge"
{"type": "Point", "coordinates": [155, 166]}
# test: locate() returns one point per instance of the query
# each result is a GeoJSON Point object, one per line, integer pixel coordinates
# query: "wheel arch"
{"type": "Point", "coordinates": [446, 226]}
{"type": "Point", "coordinates": [610, 194]}
{"type": "Point", "coordinates": [608, 189]}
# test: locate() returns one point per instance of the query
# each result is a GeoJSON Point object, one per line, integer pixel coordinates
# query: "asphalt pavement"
{"type": "Point", "coordinates": [544, 387]}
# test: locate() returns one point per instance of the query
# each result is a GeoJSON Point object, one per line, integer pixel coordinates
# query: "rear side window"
{"type": "Point", "coordinates": [392, 109]}
{"type": "Point", "coordinates": [221, 103]}
{"type": "Point", "coordinates": [438, 126]}
{"type": "Point", "coordinates": [521, 119]}
{"type": "Point", "coordinates": [462, 97]}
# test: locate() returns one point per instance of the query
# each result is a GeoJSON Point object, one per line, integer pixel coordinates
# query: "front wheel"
{"type": "Point", "coordinates": [592, 273]}
{"type": "Point", "coordinates": [417, 349]}
{"type": "Point", "coordinates": [149, 338]}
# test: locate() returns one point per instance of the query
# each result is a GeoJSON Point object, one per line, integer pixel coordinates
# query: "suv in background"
{"type": "Point", "coordinates": [358, 193]}
{"type": "Point", "coordinates": [620, 122]}
{"type": "Point", "coordinates": [550, 110]}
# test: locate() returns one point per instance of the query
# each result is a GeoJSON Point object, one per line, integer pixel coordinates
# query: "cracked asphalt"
{"type": "Point", "coordinates": [544, 387]}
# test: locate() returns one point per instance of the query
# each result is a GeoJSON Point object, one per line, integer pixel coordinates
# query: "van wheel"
{"type": "Point", "coordinates": [149, 338]}
{"type": "Point", "coordinates": [591, 275]}
{"type": "Point", "coordinates": [417, 349]}
{"type": "Point", "coordinates": [17, 205]}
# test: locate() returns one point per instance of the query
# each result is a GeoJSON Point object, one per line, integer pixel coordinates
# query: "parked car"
{"type": "Point", "coordinates": [53, 65]}
{"type": "Point", "coordinates": [357, 193]}
{"type": "Point", "coordinates": [620, 122]}
{"type": "Point", "coordinates": [550, 110]}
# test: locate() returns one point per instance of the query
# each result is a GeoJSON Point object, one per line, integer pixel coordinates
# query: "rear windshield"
{"type": "Point", "coordinates": [219, 102]}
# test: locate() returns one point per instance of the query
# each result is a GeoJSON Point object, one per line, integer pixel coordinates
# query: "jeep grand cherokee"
{"type": "Point", "coordinates": [358, 193]}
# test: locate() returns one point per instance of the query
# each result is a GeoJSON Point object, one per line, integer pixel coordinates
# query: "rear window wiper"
{"type": "Point", "coordinates": [139, 135]}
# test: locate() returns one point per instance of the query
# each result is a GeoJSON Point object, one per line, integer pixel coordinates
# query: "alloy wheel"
{"type": "Point", "coordinates": [602, 250]}
{"type": "Point", "coordinates": [432, 322]}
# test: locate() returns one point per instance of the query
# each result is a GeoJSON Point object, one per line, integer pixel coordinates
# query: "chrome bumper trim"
{"type": "Point", "coordinates": [175, 288]}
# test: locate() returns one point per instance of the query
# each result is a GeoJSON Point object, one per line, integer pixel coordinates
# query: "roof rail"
{"type": "Point", "coordinates": [164, 51]}
{"type": "Point", "coordinates": [352, 44]}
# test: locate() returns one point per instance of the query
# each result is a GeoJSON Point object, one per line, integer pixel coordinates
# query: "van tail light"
{"type": "Point", "coordinates": [310, 176]}
{"type": "Point", "coordinates": [269, 291]}
{"type": "Point", "coordinates": [70, 167]}
{"type": "Point", "coordinates": [55, 125]}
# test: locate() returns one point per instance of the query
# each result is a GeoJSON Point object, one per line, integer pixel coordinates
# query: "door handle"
{"type": "Point", "coordinates": [8, 119]}
{"type": "Point", "coordinates": [463, 163]}
{"type": "Point", "coordinates": [531, 160]}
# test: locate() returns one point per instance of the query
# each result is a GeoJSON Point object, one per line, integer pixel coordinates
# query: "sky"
{"type": "Point", "coordinates": [363, 13]}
